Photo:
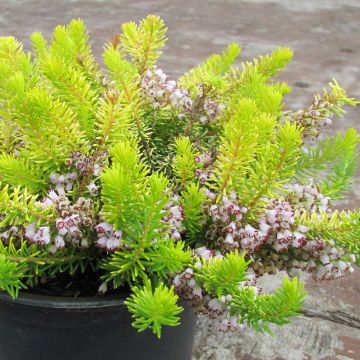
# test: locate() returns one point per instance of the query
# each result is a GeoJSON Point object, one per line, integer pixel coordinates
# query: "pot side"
{"type": "Point", "coordinates": [35, 327]}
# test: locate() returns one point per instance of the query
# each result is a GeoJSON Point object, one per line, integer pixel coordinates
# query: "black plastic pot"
{"type": "Point", "coordinates": [49, 328]}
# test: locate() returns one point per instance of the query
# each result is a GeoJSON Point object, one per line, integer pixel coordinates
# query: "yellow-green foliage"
{"type": "Point", "coordinates": [20, 172]}
{"type": "Point", "coordinates": [193, 201]}
{"type": "Point", "coordinates": [144, 305]}
{"type": "Point", "coordinates": [268, 65]}
{"type": "Point", "coordinates": [275, 166]}
{"type": "Point", "coordinates": [252, 80]}
{"type": "Point", "coordinates": [228, 275]}
{"type": "Point", "coordinates": [184, 164]}
{"type": "Point", "coordinates": [212, 69]}
{"type": "Point", "coordinates": [277, 308]}
{"type": "Point", "coordinates": [143, 41]}
{"type": "Point", "coordinates": [120, 107]}
{"type": "Point", "coordinates": [20, 207]}
{"type": "Point", "coordinates": [223, 276]}
{"type": "Point", "coordinates": [257, 155]}
{"type": "Point", "coordinates": [336, 98]}
{"type": "Point", "coordinates": [326, 152]}
{"type": "Point", "coordinates": [124, 185]}
{"type": "Point", "coordinates": [238, 145]}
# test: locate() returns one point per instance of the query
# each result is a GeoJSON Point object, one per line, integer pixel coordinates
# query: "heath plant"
{"type": "Point", "coordinates": [189, 189]}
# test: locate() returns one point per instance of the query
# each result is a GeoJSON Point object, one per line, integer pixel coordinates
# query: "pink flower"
{"type": "Point", "coordinates": [30, 230]}
{"type": "Point", "coordinates": [112, 244]}
{"type": "Point", "coordinates": [103, 227]}
{"type": "Point", "coordinates": [229, 239]}
{"type": "Point", "coordinates": [93, 189]}
{"type": "Point", "coordinates": [102, 241]}
{"type": "Point", "coordinates": [59, 242]}
{"type": "Point", "coordinates": [204, 252]}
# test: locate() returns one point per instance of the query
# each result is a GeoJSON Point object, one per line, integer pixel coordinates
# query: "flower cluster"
{"type": "Point", "coordinates": [226, 228]}
{"type": "Point", "coordinates": [74, 220]}
{"type": "Point", "coordinates": [204, 171]}
{"type": "Point", "coordinates": [329, 262]}
{"type": "Point", "coordinates": [39, 235]}
{"type": "Point", "coordinates": [88, 165]}
{"type": "Point", "coordinates": [317, 115]}
{"type": "Point", "coordinates": [278, 223]}
{"type": "Point", "coordinates": [174, 218]}
{"type": "Point", "coordinates": [277, 242]}
{"type": "Point", "coordinates": [108, 238]}
{"type": "Point", "coordinates": [323, 261]}
{"type": "Point", "coordinates": [186, 286]}
{"type": "Point", "coordinates": [63, 182]}
{"type": "Point", "coordinates": [212, 111]}
{"type": "Point", "coordinates": [276, 227]}
{"type": "Point", "coordinates": [161, 92]}
{"type": "Point", "coordinates": [208, 107]}
{"type": "Point", "coordinates": [71, 226]}
{"type": "Point", "coordinates": [294, 250]}
{"type": "Point", "coordinates": [307, 197]}
{"type": "Point", "coordinates": [13, 231]}
{"type": "Point", "coordinates": [216, 308]}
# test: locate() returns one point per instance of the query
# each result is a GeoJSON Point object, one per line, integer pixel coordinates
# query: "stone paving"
{"type": "Point", "coordinates": [325, 37]}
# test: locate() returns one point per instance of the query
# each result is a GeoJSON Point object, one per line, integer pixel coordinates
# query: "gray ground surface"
{"type": "Point", "coordinates": [325, 37]}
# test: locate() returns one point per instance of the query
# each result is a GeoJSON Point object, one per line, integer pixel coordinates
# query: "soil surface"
{"type": "Point", "coordinates": [325, 37]}
{"type": "Point", "coordinates": [78, 285]}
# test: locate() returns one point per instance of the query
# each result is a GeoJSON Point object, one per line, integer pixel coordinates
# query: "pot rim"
{"type": "Point", "coordinates": [62, 302]}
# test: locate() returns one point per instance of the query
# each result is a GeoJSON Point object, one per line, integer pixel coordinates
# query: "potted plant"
{"type": "Point", "coordinates": [125, 194]}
